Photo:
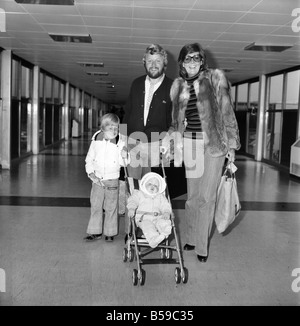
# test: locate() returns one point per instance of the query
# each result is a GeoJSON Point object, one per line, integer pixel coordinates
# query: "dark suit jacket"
{"type": "Point", "coordinates": [159, 117]}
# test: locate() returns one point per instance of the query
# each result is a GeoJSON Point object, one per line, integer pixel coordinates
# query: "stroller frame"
{"type": "Point", "coordinates": [136, 248]}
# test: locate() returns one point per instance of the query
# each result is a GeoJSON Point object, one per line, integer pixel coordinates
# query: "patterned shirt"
{"type": "Point", "coordinates": [191, 112]}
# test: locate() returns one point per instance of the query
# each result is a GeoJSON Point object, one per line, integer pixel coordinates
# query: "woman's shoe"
{"type": "Point", "coordinates": [202, 259]}
{"type": "Point", "coordinates": [93, 237]}
{"type": "Point", "coordinates": [188, 247]}
{"type": "Point", "coordinates": [109, 239]}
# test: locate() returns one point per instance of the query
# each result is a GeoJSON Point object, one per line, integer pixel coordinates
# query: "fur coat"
{"type": "Point", "coordinates": [215, 109]}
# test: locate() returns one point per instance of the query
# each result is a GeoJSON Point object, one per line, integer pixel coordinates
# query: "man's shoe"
{"type": "Point", "coordinates": [93, 237]}
{"type": "Point", "coordinates": [109, 239]}
{"type": "Point", "coordinates": [202, 259]}
{"type": "Point", "coordinates": [188, 247]}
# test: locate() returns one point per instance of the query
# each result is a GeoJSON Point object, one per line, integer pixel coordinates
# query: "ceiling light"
{"type": "Point", "coordinates": [104, 86]}
{"type": "Point", "coordinates": [97, 73]}
{"type": "Point", "coordinates": [47, 2]}
{"type": "Point", "coordinates": [91, 64]}
{"type": "Point", "coordinates": [71, 38]}
{"type": "Point", "coordinates": [105, 82]}
{"type": "Point", "coordinates": [266, 47]}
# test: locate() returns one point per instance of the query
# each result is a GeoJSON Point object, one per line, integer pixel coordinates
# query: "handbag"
{"type": "Point", "coordinates": [228, 205]}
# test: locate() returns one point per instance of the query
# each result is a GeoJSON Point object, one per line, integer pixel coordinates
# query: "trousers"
{"type": "Point", "coordinates": [201, 201]}
{"type": "Point", "coordinates": [104, 198]}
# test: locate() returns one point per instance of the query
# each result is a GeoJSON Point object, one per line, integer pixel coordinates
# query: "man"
{"type": "Point", "coordinates": [147, 114]}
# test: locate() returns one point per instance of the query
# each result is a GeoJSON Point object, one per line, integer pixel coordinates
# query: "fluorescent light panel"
{"type": "Point", "coordinates": [105, 86]}
{"type": "Point", "coordinates": [97, 73]}
{"type": "Point", "coordinates": [104, 82]}
{"type": "Point", "coordinates": [71, 38]}
{"type": "Point", "coordinates": [47, 2]}
{"type": "Point", "coordinates": [91, 64]}
{"type": "Point", "coordinates": [266, 47]}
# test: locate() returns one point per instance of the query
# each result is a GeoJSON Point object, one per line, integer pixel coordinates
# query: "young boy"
{"type": "Point", "coordinates": [151, 209]}
{"type": "Point", "coordinates": [103, 161]}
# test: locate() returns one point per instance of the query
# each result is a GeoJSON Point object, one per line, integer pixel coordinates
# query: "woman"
{"type": "Point", "coordinates": [203, 117]}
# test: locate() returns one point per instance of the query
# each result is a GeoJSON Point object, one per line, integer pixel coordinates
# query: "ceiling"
{"type": "Point", "coordinates": [122, 29]}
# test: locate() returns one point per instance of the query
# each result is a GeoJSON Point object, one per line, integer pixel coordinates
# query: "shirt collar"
{"type": "Point", "coordinates": [156, 80]}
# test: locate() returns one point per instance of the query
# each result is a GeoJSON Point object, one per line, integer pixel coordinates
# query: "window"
{"type": "Point", "coordinates": [274, 119]}
{"type": "Point", "coordinates": [252, 117]}
{"type": "Point", "coordinates": [242, 97]}
{"type": "Point", "coordinates": [292, 90]}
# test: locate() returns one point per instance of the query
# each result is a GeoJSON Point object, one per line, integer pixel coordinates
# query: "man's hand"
{"type": "Point", "coordinates": [124, 153]}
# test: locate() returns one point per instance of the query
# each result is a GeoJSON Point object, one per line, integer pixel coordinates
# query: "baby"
{"type": "Point", "coordinates": [151, 209]}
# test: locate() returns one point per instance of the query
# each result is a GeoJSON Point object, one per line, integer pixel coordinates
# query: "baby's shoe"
{"type": "Point", "coordinates": [155, 241]}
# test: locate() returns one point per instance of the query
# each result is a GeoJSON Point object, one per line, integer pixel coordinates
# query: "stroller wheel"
{"type": "Point", "coordinates": [184, 275]}
{"type": "Point", "coordinates": [131, 255]}
{"type": "Point", "coordinates": [142, 277]}
{"type": "Point", "coordinates": [125, 255]}
{"type": "Point", "coordinates": [165, 253]}
{"type": "Point", "coordinates": [177, 275]}
{"type": "Point", "coordinates": [135, 277]}
{"type": "Point", "coordinates": [168, 253]}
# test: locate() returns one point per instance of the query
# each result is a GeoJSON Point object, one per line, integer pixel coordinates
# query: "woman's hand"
{"type": "Point", "coordinates": [130, 213]}
{"type": "Point", "coordinates": [231, 155]}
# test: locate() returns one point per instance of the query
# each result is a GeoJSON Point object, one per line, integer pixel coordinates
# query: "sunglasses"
{"type": "Point", "coordinates": [195, 58]}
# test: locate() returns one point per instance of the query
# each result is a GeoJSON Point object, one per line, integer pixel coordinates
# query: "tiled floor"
{"type": "Point", "coordinates": [44, 211]}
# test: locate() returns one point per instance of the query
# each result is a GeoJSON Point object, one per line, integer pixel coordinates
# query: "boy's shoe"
{"type": "Point", "coordinates": [109, 239]}
{"type": "Point", "coordinates": [93, 237]}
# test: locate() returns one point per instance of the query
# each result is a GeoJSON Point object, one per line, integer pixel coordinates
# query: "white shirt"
{"type": "Point", "coordinates": [157, 82]}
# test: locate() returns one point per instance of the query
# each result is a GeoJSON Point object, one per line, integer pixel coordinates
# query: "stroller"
{"type": "Point", "coordinates": [137, 247]}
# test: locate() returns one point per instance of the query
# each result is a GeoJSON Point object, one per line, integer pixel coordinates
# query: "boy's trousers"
{"type": "Point", "coordinates": [104, 198]}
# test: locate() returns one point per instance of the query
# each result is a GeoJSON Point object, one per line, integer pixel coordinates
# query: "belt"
{"type": "Point", "coordinates": [193, 134]}
{"type": "Point", "coordinates": [147, 213]}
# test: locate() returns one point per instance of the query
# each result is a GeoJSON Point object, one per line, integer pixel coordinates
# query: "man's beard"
{"type": "Point", "coordinates": [155, 74]}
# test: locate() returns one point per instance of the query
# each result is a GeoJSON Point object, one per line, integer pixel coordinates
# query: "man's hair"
{"type": "Point", "coordinates": [156, 49]}
{"type": "Point", "coordinates": [108, 119]}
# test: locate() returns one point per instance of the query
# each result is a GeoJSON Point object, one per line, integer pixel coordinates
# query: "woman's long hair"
{"type": "Point", "coordinates": [187, 49]}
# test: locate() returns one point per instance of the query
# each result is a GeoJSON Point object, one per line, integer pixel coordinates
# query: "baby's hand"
{"type": "Point", "coordinates": [166, 216]}
{"type": "Point", "coordinates": [130, 213]}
